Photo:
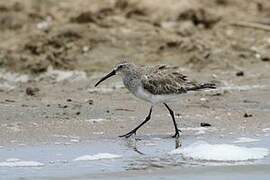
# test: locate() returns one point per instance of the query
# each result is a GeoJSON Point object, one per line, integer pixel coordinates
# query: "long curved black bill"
{"type": "Point", "coordinates": [105, 77]}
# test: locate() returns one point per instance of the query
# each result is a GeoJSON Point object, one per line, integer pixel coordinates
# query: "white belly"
{"type": "Point", "coordinates": [154, 99]}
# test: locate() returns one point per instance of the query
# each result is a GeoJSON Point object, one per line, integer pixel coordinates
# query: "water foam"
{"type": "Point", "coordinates": [98, 156]}
{"type": "Point", "coordinates": [246, 140]}
{"type": "Point", "coordinates": [14, 162]}
{"type": "Point", "coordinates": [220, 152]}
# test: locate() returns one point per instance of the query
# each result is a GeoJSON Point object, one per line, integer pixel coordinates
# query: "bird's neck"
{"type": "Point", "coordinates": [132, 81]}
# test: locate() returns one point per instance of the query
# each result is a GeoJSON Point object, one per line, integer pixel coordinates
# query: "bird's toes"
{"type": "Point", "coordinates": [176, 135]}
{"type": "Point", "coordinates": [128, 134]}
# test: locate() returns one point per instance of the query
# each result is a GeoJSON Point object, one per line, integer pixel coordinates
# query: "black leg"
{"type": "Point", "coordinates": [135, 129]}
{"type": "Point", "coordinates": [174, 122]}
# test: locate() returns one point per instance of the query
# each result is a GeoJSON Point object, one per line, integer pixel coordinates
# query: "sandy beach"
{"type": "Point", "coordinates": [78, 109]}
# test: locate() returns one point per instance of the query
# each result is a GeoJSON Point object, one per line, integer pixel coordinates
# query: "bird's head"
{"type": "Point", "coordinates": [121, 69]}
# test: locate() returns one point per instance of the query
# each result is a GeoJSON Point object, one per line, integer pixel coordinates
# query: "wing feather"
{"type": "Point", "coordinates": [165, 80]}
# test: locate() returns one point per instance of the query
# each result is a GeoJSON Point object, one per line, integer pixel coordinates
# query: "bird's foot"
{"type": "Point", "coordinates": [129, 134]}
{"type": "Point", "coordinates": [177, 134]}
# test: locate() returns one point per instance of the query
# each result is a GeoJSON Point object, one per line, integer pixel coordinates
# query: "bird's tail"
{"type": "Point", "coordinates": [203, 86]}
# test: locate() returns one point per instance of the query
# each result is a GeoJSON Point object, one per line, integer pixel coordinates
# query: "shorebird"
{"type": "Point", "coordinates": [158, 85]}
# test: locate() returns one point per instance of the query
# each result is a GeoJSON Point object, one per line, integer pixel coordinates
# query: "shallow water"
{"type": "Point", "coordinates": [138, 158]}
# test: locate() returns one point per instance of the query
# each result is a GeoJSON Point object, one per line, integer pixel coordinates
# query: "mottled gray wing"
{"type": "Point", "coordinates": [165, 80]}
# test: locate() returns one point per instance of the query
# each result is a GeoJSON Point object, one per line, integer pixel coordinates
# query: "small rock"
{"type": "Point", "coordinates": [62, 106]}
{"type": "Point", "coordinates": [246, 115]}
{"type": "Point", "coordinates": [222, 2]}
{"type": "Point", "coordinates": [31, 91]}
{"type": "Point", "coordinates": [265, 58]}
{"type": "Point", "coordinates": [217, 94]}
{"type": "Point", "coordinates": [205, 124]}
{"type": "Point", "coordinates": [84, 17]}
{"type": "Point", "coordinates": [10, 100]}
{"type": "Point", "coordinates": [69, 100]}
{"type": "Point", "coordinates": [90, 102]}
{"type": "Point", "coordinates": [45, 25]}
{"type": "Point", "coordinates": [78, 113]}
{"type": "Point", "coordinates": [123, 109]}
{"type": "Point", "coordinates": [240, 73]}
{"type": "Point", "coordinates": [250, 101]}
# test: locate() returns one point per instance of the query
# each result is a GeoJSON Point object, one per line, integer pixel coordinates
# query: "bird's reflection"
{"type": "Point", "coordinates": [178, 142]}
{"type": "Point", "coordinates": [132, 143]}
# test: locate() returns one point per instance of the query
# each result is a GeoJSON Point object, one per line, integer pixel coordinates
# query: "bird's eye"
{"type": "Point", "coordinates": [120, 66]}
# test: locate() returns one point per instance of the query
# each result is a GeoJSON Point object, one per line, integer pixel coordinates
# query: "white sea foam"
{"type": "Point", "coordinates": [75, 140]}
{"type": "Point", "coordinates": [245, 140]}
{"type": "Point", "coordinates": [14, 162]}
{"type": "Point", "coordinates": [266, 130]}
{"type": "Point", "coordinates": [98, 156]}
{"type": "Point", "coordinates": [220, 152]}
